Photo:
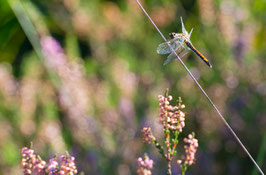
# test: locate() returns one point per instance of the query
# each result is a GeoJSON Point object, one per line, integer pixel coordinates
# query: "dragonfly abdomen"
{"type": "Point", "coordinates": [189, 45]}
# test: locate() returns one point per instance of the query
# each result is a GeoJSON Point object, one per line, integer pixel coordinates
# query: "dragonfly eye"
{"type": "Point", "coordinates": [172, 35]}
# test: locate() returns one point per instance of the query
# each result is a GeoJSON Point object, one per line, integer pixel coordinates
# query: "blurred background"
{"type": "Point", "coordinates": [93, 96]}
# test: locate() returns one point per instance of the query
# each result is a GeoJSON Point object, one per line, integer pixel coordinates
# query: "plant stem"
{"type": "Point", "coordinates": [159, 147]}
{"type": "Point", "coordinates": [169, 172]}
{"type": "Point", "coordinates": [183, 169]}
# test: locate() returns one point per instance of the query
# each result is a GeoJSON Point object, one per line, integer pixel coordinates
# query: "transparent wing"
{"type": "Point", "coordinates": [180, 51]}
{"type": "Point", "coordinates": [169, 58]}
{"type": "Point", "coordinates": [163, 48]}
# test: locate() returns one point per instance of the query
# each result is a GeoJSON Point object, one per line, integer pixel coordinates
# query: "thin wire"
{"type": "Point", "coordinates": [208, 98]}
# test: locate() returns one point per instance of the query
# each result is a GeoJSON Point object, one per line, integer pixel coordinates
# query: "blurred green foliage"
{"type": "Point", "coordinates": [111, 50]}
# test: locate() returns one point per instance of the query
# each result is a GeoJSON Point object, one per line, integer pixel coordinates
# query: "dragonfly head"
{"type": "Point", "coordinates": [173, 35]}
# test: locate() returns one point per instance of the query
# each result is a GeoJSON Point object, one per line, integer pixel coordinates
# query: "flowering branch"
{"type": "Point", "coordinates": [173, 120]}
{"type": "Point", "coordinates": [190, 151]}
{"type": "Point", "coordinates": [33, 164]}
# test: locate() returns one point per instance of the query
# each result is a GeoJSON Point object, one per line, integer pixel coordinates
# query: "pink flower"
{"type": "Point", "coordinates": [33, 164]}
{"type": "Point", "coordinates": [53, 167]}
{"type": "Point", "coordinates": [190, 150]}
{"type": "Point", "coordinates": [145, 165]}
{"type": "Point", "coordinates": [147, 134]}
{"type": "Point", "coordinates": [40, 166]}
{"type": "Point", "coordinates": [68, 165]}
{"type": "Point", "coordinates": [171, 116]}
{"type": "Point", "coordinates": [30, 162]}
{"type": "Point", "coordinates": [53, 52]}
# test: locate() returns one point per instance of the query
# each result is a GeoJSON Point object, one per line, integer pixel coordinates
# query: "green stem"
{"type": "Point", "coordinates": [175, 142]}
{"type": "Point", "coordinates": [159, 147]}
{"type": "Point", "coordinates": [183, 169]}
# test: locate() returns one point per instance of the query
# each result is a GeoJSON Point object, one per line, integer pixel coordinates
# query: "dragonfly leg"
{"type": "Point", "coordinates": [183, 54]}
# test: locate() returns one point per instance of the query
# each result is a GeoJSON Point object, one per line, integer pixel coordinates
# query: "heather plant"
{"type": "Point", "coordinates": [172, 118]}
{"type": "Point", "coordinates": [86, 75]}
{"type": "Point", "coordinates": [33, 164]}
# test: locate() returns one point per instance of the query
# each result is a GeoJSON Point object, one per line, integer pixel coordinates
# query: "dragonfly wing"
{"type": "Point", "coordinates": [180, 51]}
{"type": "Point", "coordinates": [163, 48]}
{"type": "Point", "coordinates": [169, 58]}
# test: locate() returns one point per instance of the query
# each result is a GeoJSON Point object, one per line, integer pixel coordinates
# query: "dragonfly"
{"type": "Point", "coordinates": [179, 42]}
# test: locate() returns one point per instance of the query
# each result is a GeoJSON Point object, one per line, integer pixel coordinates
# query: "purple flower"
{"type": "Point", "coordinates": [53, 167]}
{"type": "Point", "coordinates": [53, 52]}
{"type": "Point", "coordinates": [68, 165]}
